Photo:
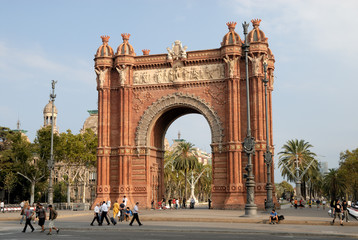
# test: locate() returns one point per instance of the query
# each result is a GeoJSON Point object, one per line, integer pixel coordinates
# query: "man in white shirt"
{"type": "Point", "coordinates": [125, 200]}
{"type": "Point", "coordinates": [135, 215]}
{"type": "Point", "coordinates": [104, 209]}
{"type": "Point", "coordinates": [96, 214]}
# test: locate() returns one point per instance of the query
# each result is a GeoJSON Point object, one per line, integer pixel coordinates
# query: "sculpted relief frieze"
{"type": "Point", "coordinates": [179, 74]}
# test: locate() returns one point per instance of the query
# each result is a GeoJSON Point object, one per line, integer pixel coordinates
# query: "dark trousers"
{"type": "Point", "coordinates": [135, 217]}
{"type": "Point", "coordinates": [104, 216]}
{"type": "Point", "coordinates": [95, 218]}
{"type": "Point", "coordinates": [28, 222]}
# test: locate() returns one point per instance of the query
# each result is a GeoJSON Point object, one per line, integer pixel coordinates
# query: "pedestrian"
{"type": "Point", "coordinates": [22, 205]}
{"type": "Point", "coordinates": [52, 217]}
{"type": "Point", "coordinates": [345, 210]}
{"type": "Point", "coordinates": [37, 208]}
{"type": "Point", "coordinates": [209, 201]}
{"type": "Point", "coordinates": [333, 203]}
{"type": "Point", "coordinates": [152, 204]}
{"type": "Point", "coordinates": [170, 203]}
{"type": "Point", "coordinates": [28, 213]}
{"type": "Point", "coordinates": [122, 211]}
{"type": "Point", "coordinates": [184, 202]}
{"type": "Point", "coordinates": [109, 204]}
{"type": "Point", "coordinates": [125, 201]}
{"type": "Point", "coordinates": [115, 209]}
{"type": "Point", "coordinates": [295, 202]}
{"type": "Point", "coordinates": [318, 202]}
{"type": "Point", "coordinates": [104, 209]}
{"type": "Point", "coordinates": [22, 213]}
{"type": "Point", "coordinates": [135, 215]}
{"type": "Point", "coordinates": [324, 204]}
{"type": "Point", "coordinates": [310, 203]}
{"type": "Point", "coordinates": [192, 202]}
{"type": "Point", "coordinates": [96, 215]}
{"type": "Point", "coordinates": [42, 217]}
{"type": "Point", "coordinates": [2, 206]}
{"type": "Point", "coordinates": [174, 203]}
{"type": "Point", "coordinates": [337, 211]}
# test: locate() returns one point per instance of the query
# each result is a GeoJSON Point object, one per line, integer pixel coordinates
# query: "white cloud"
{"type": "Point", "coordinates": [33, 64]}
{"type": "Point", "coordinates": [325, 25]}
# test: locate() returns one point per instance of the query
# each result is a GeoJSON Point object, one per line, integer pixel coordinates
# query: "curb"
{"type": "Point", "coordinates": [277, 233]}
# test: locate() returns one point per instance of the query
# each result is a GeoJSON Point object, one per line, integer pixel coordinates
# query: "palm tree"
{"type": "Point", "coordinates": [300, 150]}
{"type": "Point", "coordinates": [334, 184]}
{"type": "Point", "coordinates": [185, 159]}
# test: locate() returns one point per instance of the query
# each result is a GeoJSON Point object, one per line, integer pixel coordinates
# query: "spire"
{"type": "Point", "coordinates": [179, 134]}
{"type": "Point", "coordinates": [18, 124]}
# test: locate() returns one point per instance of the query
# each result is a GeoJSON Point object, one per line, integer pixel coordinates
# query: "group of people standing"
{"type": "Point", "coordinates": [40, 214]}
{"type": "Point", "coordinates": [174, 203]}
{"type": "Point", "coordinates": [120, 211]}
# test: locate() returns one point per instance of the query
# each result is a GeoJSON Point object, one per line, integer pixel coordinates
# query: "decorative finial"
{"type": "Point", "coordinates": [105, 38]}
{"type": "Point", "coordinates": [178, 135]}
{"type": "Point", "coordinates": [231, 25]}
{"type": "Point", "coordinates": [256, 22]}
{"type": "Point", "coordinates": [18, 124]}
{"type": "Point", "coordinates": [145, 51]}
{"type": "Point", "coordinates": [125, 36]}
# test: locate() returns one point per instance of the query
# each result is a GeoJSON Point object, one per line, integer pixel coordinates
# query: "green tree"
{"type": "Point", "coordinates": [77, 153]}
{"type": "Point", "coordinates": [9, 183]}
{"type": "Point", "coordinates": [300, 150]}
{"type": "Point", "coordinates": [348, 168]}
{"type": "Point", "coordinates": [185, 160]}
{"type": "Point", "coordinates": [334, 184]}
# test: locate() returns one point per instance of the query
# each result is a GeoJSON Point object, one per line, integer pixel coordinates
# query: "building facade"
{"type": "Point", "coordinates": [140, 96]}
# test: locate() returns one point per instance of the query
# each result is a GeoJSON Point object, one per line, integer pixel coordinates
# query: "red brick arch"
{"type": "Point", "coordinates": [140, 96]}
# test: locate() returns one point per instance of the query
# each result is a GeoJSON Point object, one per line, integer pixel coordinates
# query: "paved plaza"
{"type": "Point", "coordinates": [192, 224]}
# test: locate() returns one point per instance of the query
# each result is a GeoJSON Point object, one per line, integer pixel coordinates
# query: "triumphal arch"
{"type": "Point", "coordinates": [140, 96]}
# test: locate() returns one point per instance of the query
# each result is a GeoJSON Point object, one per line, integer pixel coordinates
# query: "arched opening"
{"type": "Point", "coordinates": [194, 129]}
{"type": "Point", "coordinates": [153, 126]}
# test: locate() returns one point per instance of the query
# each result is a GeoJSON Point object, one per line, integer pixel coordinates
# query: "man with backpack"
{"type": "Point", "coordinates": [52, 218]}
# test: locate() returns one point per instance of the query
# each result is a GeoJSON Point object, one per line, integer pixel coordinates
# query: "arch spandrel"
{"type": "Point", "coordinates": [168, 102]}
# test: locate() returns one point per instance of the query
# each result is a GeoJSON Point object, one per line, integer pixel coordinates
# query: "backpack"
{"type": "Point", "coordinates": [54, 214]}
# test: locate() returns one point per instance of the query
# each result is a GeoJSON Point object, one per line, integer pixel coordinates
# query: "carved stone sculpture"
{"type": "Point", "coordinates": [100, 76]}
{"type": "Point", "coordinates": [256, 64]}
{"type": "Point", "coordinates": [177, 51]}
{"type": "Point", "coordinates": [122, 74]}
{"type": "Point", "coordinates": [231, 64]}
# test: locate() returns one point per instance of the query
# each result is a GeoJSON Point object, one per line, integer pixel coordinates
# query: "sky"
{"type": "Point", "coordinates": [314, 43]}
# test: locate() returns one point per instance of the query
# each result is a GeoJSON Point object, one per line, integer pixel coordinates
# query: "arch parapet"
{"type": "Point", "coordinates": [178, 100]}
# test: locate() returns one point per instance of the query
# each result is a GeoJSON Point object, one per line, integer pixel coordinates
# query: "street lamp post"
{"type": "Point", "coordinates": [249, 142]}
{"type": "Point", "coordinates": [268, 155]}
{"type": "Point", "coordinates": [298, 180]}
{"type": "Point", "coordinates": [50, 163]}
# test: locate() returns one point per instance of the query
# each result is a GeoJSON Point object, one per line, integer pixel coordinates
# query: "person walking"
{"type": "Point", "coordinates": [345, 210]}
{"type": "Point", "coordinates": [52, 217]}
{"type": "Point", "coordinates": [184, 202]}
{"type": "Point", "coordinates": [135, 215]}
{"type": "Point", "coordinates": [337, 211]}
{"type": "Point", "coordinates": [96, 215]}
{"type": "Point", "coordinates": [42, 217]}
{"type": "Point", "coordinates": [28, 213]}
{"type": "Point", "coordinates": [115, 209]}
{"type": "Point", "coordinates": [324, 204]}
{"type": "Point", "coordinates": [104, 209]}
